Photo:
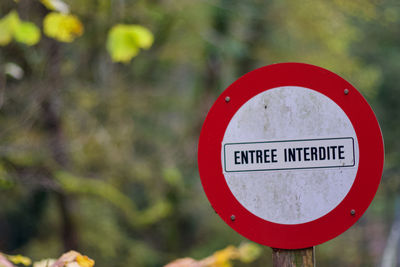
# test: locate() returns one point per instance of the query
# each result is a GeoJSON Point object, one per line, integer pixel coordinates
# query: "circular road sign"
{"type": "Point", "coordinates": [290, 155]}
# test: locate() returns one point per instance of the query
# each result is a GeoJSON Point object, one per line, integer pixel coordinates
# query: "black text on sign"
{"type": "Point", "coordinates": [289, 154]}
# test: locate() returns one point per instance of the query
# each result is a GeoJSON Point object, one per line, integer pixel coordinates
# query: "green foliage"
{"type": "Point", "coordinates": [173, 177]}
{"type": "Point", "coordinates": [107, 152]}
{"type": "Point", "coordinates": [27, 33]}
{"type": "Point", "coordinates": [74, 185]}
{"type": "Point", "coordinates": [22, 31]}
{"type": "Point", "coordinates": [124, 41]}
{"type": "Point", "coordinates": [7, 26]}
{"type": "Point", "coordinates": [249, 252]}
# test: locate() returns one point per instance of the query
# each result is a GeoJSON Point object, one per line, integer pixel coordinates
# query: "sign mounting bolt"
{"type": "Point", "coordinates": [227, 99]}
{"type": "Point", "coordinates": [233, 218]}
{"type": "Point", "coordinates": [346, 91]}
{"type": "Point", "coordinates": [353, 212]}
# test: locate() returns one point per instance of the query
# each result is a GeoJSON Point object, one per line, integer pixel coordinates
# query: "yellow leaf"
{"type": "Point", "coordinates": [223, 257]}
{"type": "Point", "coordinates": [5, 33]}
{"type": "Point", "coordinates": [13, 19]}
{"type": "Point", "coordinates": [23, 31]}
{"type": "Point", "coordinates": [56, 5]}
{"type": "Point", "coordinates": [19, 259]}
{"type": "Point", "coordinates": [124, 41]}
{"type": "Point", "coordinates": [27, 33]}
{"type": "Point", "coordinates": [143, 37]}
{"type": "Point", "coordinates": [7, 27]}
{"type": "Point", "coordinates": [62, 27]}
{"type": "Point", "coordinates": [84, 261]}
{"type": "Point", "coordinates": [120, 44]}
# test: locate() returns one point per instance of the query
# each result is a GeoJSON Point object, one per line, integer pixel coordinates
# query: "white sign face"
{"type": "Point", "coordinates": [290, 155]}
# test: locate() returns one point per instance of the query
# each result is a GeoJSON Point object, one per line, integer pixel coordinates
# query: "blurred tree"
{"type": "Point", "coordinates": [102, 155]}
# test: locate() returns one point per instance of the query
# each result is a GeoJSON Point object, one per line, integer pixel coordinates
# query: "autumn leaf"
{"type": "Point", "coordinates": [19, 259]}
{"type": "Point", "coordinates": [7, 26]}
{"type": "Point", "coordinates": [142, 36]}
{"type": "Point", "coordinates": [62, 27]}
{"type": "Point", "coordinates": [73, 259]}
{"type": "Point", "coordinates": [5, 32]}
{"type": "Point", "coordinates": [22, 31]}
{"type": "Point", "coordinates": [246, 253]}
{"type": "Point", "coordinates": [84, 261]}
{"type": "Point", "coordinates": [223, 257]}
{"type": "Point", "coordinates": [124, 41]}
{"type": "Point", "coordinates": [27, 33]}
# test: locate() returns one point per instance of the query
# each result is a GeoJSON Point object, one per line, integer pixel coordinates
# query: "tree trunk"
{"type": "Point", "coordinates": [53, 126]}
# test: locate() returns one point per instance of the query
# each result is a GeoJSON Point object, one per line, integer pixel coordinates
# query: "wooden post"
{"type": "Point", "coordinates": [293, 257]}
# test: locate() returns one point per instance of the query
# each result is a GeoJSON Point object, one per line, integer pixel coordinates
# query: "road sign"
{"type": "Point", "coordinates": [290, 155]}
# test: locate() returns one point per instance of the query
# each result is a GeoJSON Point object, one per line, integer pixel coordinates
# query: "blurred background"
{"type": "Point", "coordinates": [102, 103]}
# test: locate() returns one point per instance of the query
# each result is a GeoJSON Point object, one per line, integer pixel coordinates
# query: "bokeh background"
{"type": "Point", "coordinates": [99, 132]}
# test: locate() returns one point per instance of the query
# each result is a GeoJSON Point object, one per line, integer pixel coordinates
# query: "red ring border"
{"type": "Point", "coordinates": [371, 156]}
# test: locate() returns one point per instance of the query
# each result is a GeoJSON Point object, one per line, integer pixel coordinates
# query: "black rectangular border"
{"type": "Point", "coordinates": [284, 141]}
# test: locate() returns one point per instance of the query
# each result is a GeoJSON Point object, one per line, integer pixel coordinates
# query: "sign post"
{"type": "Point", "coordinates": [293, 257]}
{"type": "Point", "coordinates": [290, 156]}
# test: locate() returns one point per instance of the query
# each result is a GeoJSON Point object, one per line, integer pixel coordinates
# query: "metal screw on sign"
{"type": "Point", "coordinates": [353, 212]}
{"type": "Point", "coordinates": [346, 91]}
{"type": "Point", "coordinates": [233, 217]}
{"type": "Point", "coordinates": [227, 99]}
